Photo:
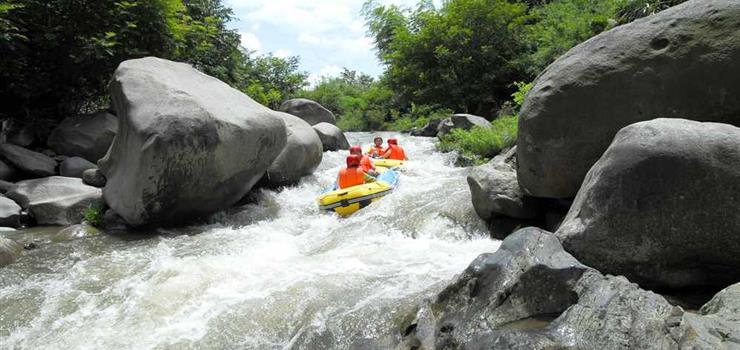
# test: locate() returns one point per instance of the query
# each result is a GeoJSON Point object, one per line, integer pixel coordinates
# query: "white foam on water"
{"type": "Point", "coordinates": [274, 274]}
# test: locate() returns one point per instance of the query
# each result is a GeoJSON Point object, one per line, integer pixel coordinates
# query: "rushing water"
{"type": "Point", "coordinates": [273, 274]}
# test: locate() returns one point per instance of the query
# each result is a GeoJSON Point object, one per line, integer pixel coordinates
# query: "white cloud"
{"type": "Point", "coordinates": [325, 72]}
{"type": "Point", "coordinates": [250, 41]}
{"type": "Point", "coordinates": [282, 53]}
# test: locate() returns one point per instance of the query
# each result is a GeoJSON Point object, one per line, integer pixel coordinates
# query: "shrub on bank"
{"type": "Point", "coordinates": [482, 144]}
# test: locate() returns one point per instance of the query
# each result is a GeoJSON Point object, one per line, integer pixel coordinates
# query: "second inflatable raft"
{"type": "Point", "coordinates": [349, 200]}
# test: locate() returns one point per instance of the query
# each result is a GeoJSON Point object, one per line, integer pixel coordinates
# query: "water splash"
{"type": "Point", "coordinates": [273, 274]}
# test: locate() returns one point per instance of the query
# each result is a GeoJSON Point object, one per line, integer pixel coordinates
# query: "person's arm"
{"type": "Point", "coordinates": [387, 154]}
{"type": "Point", "coordinates": [369, 178]}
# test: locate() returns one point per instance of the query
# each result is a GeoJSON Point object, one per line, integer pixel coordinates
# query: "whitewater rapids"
{"type": "Point", "coordinates": [273, 274]}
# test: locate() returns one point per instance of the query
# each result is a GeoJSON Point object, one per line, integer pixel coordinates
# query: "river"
{"type": "Point", "coordinates": [273, 274]}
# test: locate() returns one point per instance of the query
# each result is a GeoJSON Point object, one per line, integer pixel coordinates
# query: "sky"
{"type": "Point", "coordinates": [326, 34]}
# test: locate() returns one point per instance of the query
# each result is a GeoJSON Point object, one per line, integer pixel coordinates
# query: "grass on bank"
{"type": "Point", "coordinates": [482, 144]}
{"type": "Point", "coordinates": [93, 215]}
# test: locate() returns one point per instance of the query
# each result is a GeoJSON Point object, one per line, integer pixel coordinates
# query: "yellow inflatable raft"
{"type": "Point", "coordinates": [349, 200]}
{"type": "Point", "coordinates": [388, 163]}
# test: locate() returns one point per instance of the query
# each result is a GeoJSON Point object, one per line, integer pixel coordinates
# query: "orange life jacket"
{"type": "Point", "coordinates": [349, 177]}
{"type": "Point", "coordinates": [397, 153]}
{"type": "Point", "coordinates": [366, 164]}
{"type": "Point", "coordinates": [377, 150]}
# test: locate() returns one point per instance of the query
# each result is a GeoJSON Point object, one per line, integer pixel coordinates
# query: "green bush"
{"type": "Point", "coordinates": [93, 215]}
{"type": "Point", "coordinates": [482, 144]}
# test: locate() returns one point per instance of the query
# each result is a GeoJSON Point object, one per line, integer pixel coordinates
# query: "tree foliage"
{"type": "Point", "coordinates": [58, 55]}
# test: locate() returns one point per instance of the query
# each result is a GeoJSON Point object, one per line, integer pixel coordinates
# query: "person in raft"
{"type": "Point", "coordinates": [394, 151]}
{"type": "Point", "coordinates": [353, 175]}
{"type": "Point", "coordinates": [376, 150]}
{"type": "Point", "coordinates": [365, 163]}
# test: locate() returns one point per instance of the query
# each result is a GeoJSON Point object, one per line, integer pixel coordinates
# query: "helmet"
{"type": "Point", "coordinates": [353, 160]}
{"type": "Point", "coordinates": [392, 141]}
{"type": "Point", "coordinates": [356, 149]}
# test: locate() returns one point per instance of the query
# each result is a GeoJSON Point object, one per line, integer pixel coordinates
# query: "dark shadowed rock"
{"type": "Point", "coordinates": [531, 294]}
{"type": "Point", "coordinates": [55, 200]}
{"type": "Point", "coordinates": [429, 130]}
{"type": "Point", "coordinates": [310, 111]}
{"type": "Point", "coordinates": [187, 144]}
{"type": "Point", "coordinates": [300, 157]}
{"type": "Point", "coordinates": [28, 161]}
{"type": "Point", "coordinates": [10, 212]}
{"type": "Point", "coordinates": [75, 166]}
{"type": "Point", "coordinates": [7, 172]}
{"type": "Point", "coordinates": [23, 136]}
{"type": "Point", "coordinates": [679, 63]}
{"type": "Point", "coordinates": [93, 177]}
{"type": "Point", "coordinates": [332, 138]}
{"type": "Point", "coordinates": [88, 136]}
{"type": "Point", "coordinates": [9, 251]}
{"type": "Point", "coordinates": [661, 206]}
{"type": "Point", "coordinates": [5, 186]}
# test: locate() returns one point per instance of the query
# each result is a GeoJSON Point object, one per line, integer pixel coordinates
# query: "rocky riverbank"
{"type": "Point", "coordinates": [641, 251]}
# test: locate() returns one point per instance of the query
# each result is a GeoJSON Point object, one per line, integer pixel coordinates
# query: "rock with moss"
{"type": "Point", "coordinates": [56, 200]}
{"type": "Point", "coordinates": [679, 63]}
{"type": "Point", "coordinates": [660, 206]}
{"type": "Point", "coordinates": [461, 121]}
{"type": "Point", "coordinates": [187, 145]}
{"type": "Point", "coordinates": [75, 231]}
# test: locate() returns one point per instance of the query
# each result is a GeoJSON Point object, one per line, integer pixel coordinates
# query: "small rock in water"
{"type": "Point", "coordinates": [94, 177]}
{"type": "Point", "coordinates": [75, 231]}
{"type": "Point", "coordinates": [30, 246]}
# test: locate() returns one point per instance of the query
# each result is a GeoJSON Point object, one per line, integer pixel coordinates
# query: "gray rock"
{"type": "Point", "coordinates": [93, 177]}
{"type": "Point", "coordinates": [55, 200]}
{"type": "Point", "coordinates": [310, 111]}
{"type": "Point", "coordinates": [75, 231]}
{"type": "Point", "coordinates": [679, 63]}
{"type": "Point", "coordinates": [75, 166]}
{"type": "Point", "coordinates": [7, 172]}
{"type": "Point", "coordinates": [114, 222]}
{"type": "Point", "coordinates": [187, 144]}
{"type": "Point", "coordinates": [461, 121]}
{"type": "Point", "coordinates": [495, 191]}
{"type": "Point", "coordinates": [88, 136]}
{"type": "Point", "coordinates": [531, 294]}
{"type": "Point", "coordinates": [301, 156]}
{"type": "Point", "coordinates": [9, 251]}
{"type": "Point", "coordinates": [23, 137]}
{"type": "Point", "coordinates": [10, 212]}
{"type": "Point", "coordinates": [5, 186]}
{"type": "Point", "coordinates": [429, 130]}
{"type": "Point", "coordinates": [332, 138]}
{"type": "Point", "coordinates": [28, 161]}
{"type": "Point", "coordinates": [660, 206]}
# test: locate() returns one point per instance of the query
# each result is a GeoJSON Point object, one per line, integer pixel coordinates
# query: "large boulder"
{"type": "Point", "coordinates": [88, 136]}
{"type": "Point", "coordinates": [187, 144]}
{"type": "Point", "coordinates": [495, 191]}
{"type": "Point", "coordinates": [56, 200]}
{"type": "Point", "coordinates": [461, 121]}
{"type": "Point", "coordinates": [7, 172]}
{"type": "Point", "coordinates": [9, 251]}
{"type": "Point", "coordinates": [30, 162]}
{"type": "Point", "coordinates": [661, 206]}
{"type": "Point", "coordinates": [10, 212]}
{"type": "Point", "coordinates": [679, 63]}
{"type": "Point", "coordinates": [301, 156]}
{"type": "Point", "coordinates": [75, 166]}
{"type": "Point", "coordinates": [310, 111]}
{"type": "Point", "coordinates": [332, 138]}
{"type": "Point", "coordinates": [532, 294]}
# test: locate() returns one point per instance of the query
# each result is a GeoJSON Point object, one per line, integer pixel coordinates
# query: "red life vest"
{"type": "Point", "coordinates": [397, 153]}
{"type": "Point", "coordinates": [349, 177]}
{"type": "Point", "coordinates": [366, 164]}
